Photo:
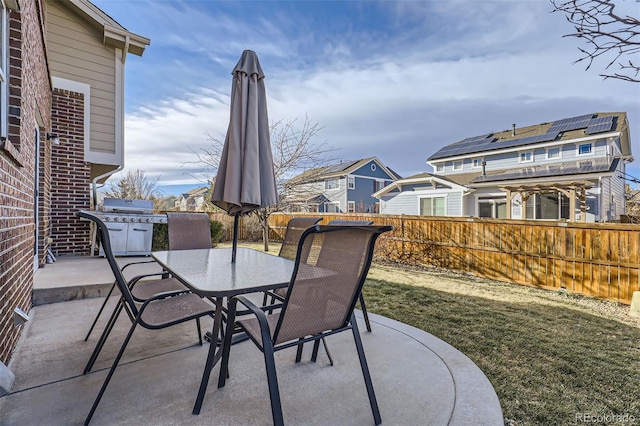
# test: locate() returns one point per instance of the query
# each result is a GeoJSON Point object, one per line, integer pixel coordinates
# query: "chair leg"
{"type": "Point", "coordinates": [199, 330]}
{"type": "Point", "coordinates": [272, 379]}
{"type": "Point", "coordinates": [326, 349]}
{"type": "Point", "coordinates": [95, 321]}
{"type": "Point", "coordinates": [299, 352]}
{"type": "Point", "coordinates": [364, 313]}
{"type": "Point", "coordinates": [365, 371]}
{"type": "Point", "coordinates": [103, 337]}
{"type": "Point", "coordinates": [314, 353]}
{"type": "Point", "coordinates": [110, 374]}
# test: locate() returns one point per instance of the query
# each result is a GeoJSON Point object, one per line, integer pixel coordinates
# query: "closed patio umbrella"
{"type": "Point", "coordinates": [246, 180]}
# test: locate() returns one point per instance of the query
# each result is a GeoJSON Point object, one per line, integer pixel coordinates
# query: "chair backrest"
{"type": "Point", "coordinates": [189, 231]}
{"type": "Point", "coordinates": [322, 294]}
{"type": "Point", "coordinates": [102, 233]}
{"type": "Point", "coordinates": [341, 222]}
{"type": "Point", "coordinates": [295, 227]}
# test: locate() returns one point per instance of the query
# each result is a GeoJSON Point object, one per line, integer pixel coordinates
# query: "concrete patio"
{"type": "Point", "coordinates": [418, 378]}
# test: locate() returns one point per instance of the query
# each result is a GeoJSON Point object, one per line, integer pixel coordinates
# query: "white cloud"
{"type": "Point", "coordinates": [452, 70]}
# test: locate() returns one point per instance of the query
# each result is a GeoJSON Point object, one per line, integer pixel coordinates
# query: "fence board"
{"type": "Point", "coordinates": [599, 260]}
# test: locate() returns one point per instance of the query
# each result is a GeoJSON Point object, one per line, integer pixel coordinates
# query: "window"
{"type": "Point", "coordinates": [332, 207]}
{"type": "Point", "coordinates": [553, 153]}
{"type": "Point", "coordinates": [440, 167]}
{"type": "Point", "coordinates": [332, 184]}
{"type": "Point", "coordinates": [549, 205]}
{"type": "Point", "coordinates": [477, 163]}
{"type": "Point", "coordinates": [526, 157]}
{"type": "Point", "coordinates": [492, 208]}
{"type": "Point", "coordinates": [4, 69]}
{"type": "Point", "coordinates": [457, 165]}
{"type": "Point", "coordinates": [378, 185]}
{"type": "Point", "coordinates": [433, 206]}
{"type": "Point", "coordinates": [351, 182]}
{"type": "Point", "coordinates": [584, 149]}
{"type": "Point", "coordinates": [351, 207]}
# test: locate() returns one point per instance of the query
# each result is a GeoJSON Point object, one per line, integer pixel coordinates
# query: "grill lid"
{"type": "Point", "coordinates": [123, 205]}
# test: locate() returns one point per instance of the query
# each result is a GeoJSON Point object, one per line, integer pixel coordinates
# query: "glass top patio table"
{"type": "Point", "coordinates": [210, 272]}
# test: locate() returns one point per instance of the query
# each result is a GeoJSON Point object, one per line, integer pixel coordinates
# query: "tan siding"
{"type": "Point", "coordinates": [76, 52]}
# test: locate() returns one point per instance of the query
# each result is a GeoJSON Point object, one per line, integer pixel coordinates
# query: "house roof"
{"type": "Point", "coordinates": [421, 178]}
{"type": "Point", "coordinates": [337, 170]}
{"type": "Point", "coordinates": [589, 126]}
{"type": "Point", "coordinates": [114, 34]}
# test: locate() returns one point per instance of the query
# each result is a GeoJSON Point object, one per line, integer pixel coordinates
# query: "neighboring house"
{"type": "Point", "coordinates": [61, 131]}
{"type": "Point", "coordinates": [571, 169]}
{"type": "Point", "coordinates": [195, 200]}
{"type": "Point", "coordinates": [340, 188]}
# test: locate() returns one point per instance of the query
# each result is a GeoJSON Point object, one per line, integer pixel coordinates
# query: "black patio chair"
{"type": "Point", "coordinates": [157, 312]}
{"type": "Point", "coordinates": [295, 227]}
{"type": "Point", "coordinates": [339, 222]}
{"type": "Point", "coordinates": [319, 302]}
{"type": "Point", "coordinates": [186, 231]}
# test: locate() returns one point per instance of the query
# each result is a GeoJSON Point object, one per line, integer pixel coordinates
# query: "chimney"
{"type": "Point", "coordinates": [513, 132]}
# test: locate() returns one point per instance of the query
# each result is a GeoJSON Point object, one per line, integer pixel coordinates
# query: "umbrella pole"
{"type": "Point", "coordinates": [235, 238]}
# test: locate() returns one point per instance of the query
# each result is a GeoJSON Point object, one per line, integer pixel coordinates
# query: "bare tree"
{"type": "Point", "coordinates": [294, 149]}
{"type": "Point", "coordinates": [134, 185]}
{"type": "Point", "coordinates": [606, 34]}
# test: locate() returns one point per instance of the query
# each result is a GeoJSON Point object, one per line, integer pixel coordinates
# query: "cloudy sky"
{"type": "Point", "coordinates": [393, 79]}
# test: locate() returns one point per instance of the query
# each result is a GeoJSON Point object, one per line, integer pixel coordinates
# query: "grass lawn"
{"type": "Point", "coordinates": [550, 356]}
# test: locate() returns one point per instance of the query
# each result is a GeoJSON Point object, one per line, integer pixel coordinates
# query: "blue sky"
{"type": "Point", "coordinates": [395, 80]}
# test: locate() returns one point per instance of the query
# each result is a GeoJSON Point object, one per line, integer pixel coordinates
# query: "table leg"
{"type": "Point", "coordinates": [212, 357]}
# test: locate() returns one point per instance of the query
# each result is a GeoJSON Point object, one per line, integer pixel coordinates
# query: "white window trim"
{"type": "Point", "coordinates": [336, 203]}
{"type": "Point", "coordinates": [460, 162]}
{"type": "Point", "coordinates": [351, 206]}
{"type": "Point", "coordinates": [351, 182]}
{"type": "Point", "coordinates": [439, 167]}
{"type": "Point", "coordinates": [331, 179]}
{"type": "Point", "coordinates": [559, 148]}
{"type": "Point", "coordinates": [473, 163]}
{"type": "Point", "coordinates": [445, 196]}
{"type": "Point", "coordinates": [520, 160]}
{"type": "Point", "coordinates": [578, 153]}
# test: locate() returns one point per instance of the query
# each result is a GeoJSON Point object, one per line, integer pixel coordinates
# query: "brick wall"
{"type": "Point", "coordinates": [29, 102]}
{"type": "Point", "coordinates": [70, 174]}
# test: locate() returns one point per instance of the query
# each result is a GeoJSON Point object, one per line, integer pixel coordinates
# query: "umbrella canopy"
{"type": "Point", "coordinates": [245, 180]}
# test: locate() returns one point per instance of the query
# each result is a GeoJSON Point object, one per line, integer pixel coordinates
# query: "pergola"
{"type": "Point", "coordinates": [572, 190]}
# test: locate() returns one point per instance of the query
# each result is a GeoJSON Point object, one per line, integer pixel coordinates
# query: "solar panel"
{"type": "Point", "coordinates": [573, 123]}
{"type": "Point", "coordinates": [599, 125]}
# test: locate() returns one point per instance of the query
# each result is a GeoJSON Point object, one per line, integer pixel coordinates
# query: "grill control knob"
{"type": "Point", "coordinates": [116, 219]}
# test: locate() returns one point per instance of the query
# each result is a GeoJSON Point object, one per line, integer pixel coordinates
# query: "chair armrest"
{"type": "Point", "coordinates": [133, 281]}
{"type": "Point", "coordinates": [137, 263]}
{"type": "Point", "coordinates": [261, 316]}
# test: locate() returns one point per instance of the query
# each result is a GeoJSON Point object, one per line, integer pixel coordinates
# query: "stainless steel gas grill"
{"type": "Point", "coordinates": [130, 225]}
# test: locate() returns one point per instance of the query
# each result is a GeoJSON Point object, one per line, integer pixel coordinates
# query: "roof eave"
{"type": "Point", "coordinates": [114, 34]}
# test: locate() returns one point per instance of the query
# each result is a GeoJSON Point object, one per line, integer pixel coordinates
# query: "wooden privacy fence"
{"type": "Point", "coordinates": [594, 259]}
